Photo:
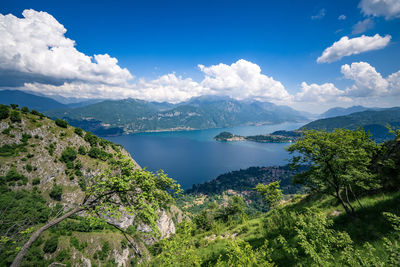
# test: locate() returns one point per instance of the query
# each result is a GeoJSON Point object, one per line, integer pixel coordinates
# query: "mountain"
{"type": "Point", "coordinates": [43, 168]}
{"type": "Point", "coordinates": [132, 115]}
{"type": "Point", "coordinates": [24, 99]}
{"type": "Point", "coordinates": [338, 111]}
{"type": "Point", "coordinates": [374, 121]}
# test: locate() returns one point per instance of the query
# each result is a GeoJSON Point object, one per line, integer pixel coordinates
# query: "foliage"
{"type": "Point", "coordinates": [25, 110]}
{"type": "Point", "coordinates": [240, 253]}
{"type": "Point", "coordinates": [51, 244]}
{"type": "Point", "coordinates": [19, 210]}
{"type": "Point", "coordinates": [15, 116]}
{"type": "Point", "coordinates": [271, 192]}
{"type": "Point", "coordinates": [91, 139]}
{"type": "Point", "coordinates": [98, 153]}
{"type": "Point", "coordinates": [338, 163]}
{"type": "Point", "coordinates": [82, 150]}
{"type": "Point", "coordinates": [78, 131]}
{"type": "Point", "coordinates": [4, 112]}
{"type": "Point", "coordinates": [179, 250]}
{"type": "Point", "coordinates": [68, 155]}
{"type": "Point", "coordinates": [61, 123]}
{"type": "Point", "coordinates": [56, 192]}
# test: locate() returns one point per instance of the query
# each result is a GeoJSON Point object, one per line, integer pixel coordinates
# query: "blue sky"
{"type": "Point", "coordinates": [284, 38]}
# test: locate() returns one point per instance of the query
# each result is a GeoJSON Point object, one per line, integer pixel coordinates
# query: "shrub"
{"type": "Point", "coordinates": [15, 116]}
{"type": "Point", "coordinates": [36, 181]}
{"type": "Point", "coordinates": [61, 123]}
{"type": "Point", "coordinates": [56, 192]}
{"type": "Point", "coordinates": [78, 131]}
{"type": "Point", "coordinates": [25, 110]}
{"type": "Point", "coordinates": [4, 112]}
{"type": "Point", "coordinates": [51, 244]}
{"type": "Point", "coordinates": [91, 139]}
{"type": "Point", "coordinates": [68, 155]}
{"type": "Point", "coordinates": [82, 150]}
{"type": "Point", "coordinates": [28, 167]}
{"type": "Point", "coordinates": [14, 106]}
{"type": "Point", "coordinates": [97, 153]}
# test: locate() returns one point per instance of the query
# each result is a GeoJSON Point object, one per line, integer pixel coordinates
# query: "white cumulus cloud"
{"type": "Point", "coordinates": [36, 45]}
{"type": "Point", "coordinates": [342, 17]}
{"type": "Point", "coordinates": [320, 93]}
{"type": "Point", "coordinates": [242, 80]}
{"type": "Point", "coordinates": [367, 81]}
{"type": "Point", "coordinates": [352, 46]}
{"type": "Point", "coordinates": [381, 8]}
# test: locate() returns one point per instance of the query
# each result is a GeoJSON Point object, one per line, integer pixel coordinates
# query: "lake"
{"type": "Point", "coordinates": [193, 157]}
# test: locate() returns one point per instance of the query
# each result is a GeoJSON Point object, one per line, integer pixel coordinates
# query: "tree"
{"type": "Point", "coordinates": [121, 189]}
{"type": "Point", "coordinates": [15, 116]}
{"type": "Point", "coordinates": [338, 163]}
{"type": "Point", "coordinates": [271, 192]}
{"type": "Point", "coordinates": [4, 112]}
{"type": "Point", "coordinates": [61, 123]}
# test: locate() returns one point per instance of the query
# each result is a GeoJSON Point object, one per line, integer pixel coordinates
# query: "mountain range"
{"type": "Point", "coordinates": [112, 117]}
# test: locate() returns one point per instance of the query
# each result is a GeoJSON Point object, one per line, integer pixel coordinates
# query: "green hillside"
{"type": "Point", "coordinates": [47, 169]}
{"type": "Point", "coordinates": [313, 229]}
{"type": "Point", "coordinates": [373, 121]}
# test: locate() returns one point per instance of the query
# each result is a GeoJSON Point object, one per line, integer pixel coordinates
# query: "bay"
{"type": "Point", "coordinates": [193, 157]}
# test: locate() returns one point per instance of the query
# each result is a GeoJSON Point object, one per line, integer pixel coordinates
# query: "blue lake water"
{"type": "Point", "coordinates": [192, 157]}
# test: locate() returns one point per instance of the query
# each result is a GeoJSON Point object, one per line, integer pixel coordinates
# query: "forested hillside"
{"type": "Point", "coordinates": [374, 121]}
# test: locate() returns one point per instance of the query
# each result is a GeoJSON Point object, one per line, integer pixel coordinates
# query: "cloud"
{"type": "Point", "coordinates": [347, 47]}
{"type": "Point", "coordinates": [35, 47]}
{"type": "Point", "coordinates": [363, 26]}
{"type": "Point", "coordinates": [242, 80]}
{"type": "Point", "coordinates": [326, 92]}
{"type": "Point", "coordinates": [342, 17]}
{"type": "Point", "coordinates": [394, 83]}
{"type": "Point", "coordinates": [169, 87]}
{"type": "Point", "coordinates": [368, 82]}
{"type": "Point", "coordinates": [321, 13]}
{"type": "Point", "coordinates": [381, 8]}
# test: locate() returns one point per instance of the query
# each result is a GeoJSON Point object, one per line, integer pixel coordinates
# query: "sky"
{"type": "Point", "coordinates": [310, 55]}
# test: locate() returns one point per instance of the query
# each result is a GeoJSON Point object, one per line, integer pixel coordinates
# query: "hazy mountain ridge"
{"type": "Point", "coordinates": [134, 115]}
{"type": "Point", "coordinates": [339, 111]}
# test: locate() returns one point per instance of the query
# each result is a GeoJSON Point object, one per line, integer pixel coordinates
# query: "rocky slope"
{"type": "Point", "coordinates": [32, 148]}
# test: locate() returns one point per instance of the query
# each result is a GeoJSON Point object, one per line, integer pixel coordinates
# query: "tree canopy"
{"type": "Point", "coordinates": [338, 163]}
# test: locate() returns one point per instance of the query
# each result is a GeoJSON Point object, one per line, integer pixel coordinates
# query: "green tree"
{"type": "Point", "coordinates": [25, 110]}
{"type": "Point", "coordinates": [68, 155]}
{"type": "Point", "coordinates": [338, 163]}
{"type": "Point", "coordinates": [15, 116]}
{"type": "Point", "coordinates": [4, 112]}
{"type": "Point", "coordinates": [61, 123]}
{"type": "Point", "coordinates": [271, 192]}
{"type": "Point", "coordinates": [122, 189]}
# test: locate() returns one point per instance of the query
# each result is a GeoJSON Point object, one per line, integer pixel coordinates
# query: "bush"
{"type": "Point", "coordinates": [82, 150]}
{"type": "Point", "coordinates": [28, 167]}
{"type": "Point", "coordinates": [25, 110]}
{"type": "Point", "coordinates": [4, 112]}
{"type": "Point", "coordinates": [51, 244]}
{"type": "Point", "coordinates": [97, 153]}
{"type": "Point", "coordinates": [78, 131]}
{"type": "Point", "coordinates": [36, 181]}
{"type": "Point", "coordinates": [56, 192]}
{"type": "Point", "coordinates": [15, 116]}
{"type": "Point", "coordinates": [91, 139]}
{"type": "Point", "coordinates": [68, 155]}
{"type": "Point", "coordinates": [61, 123]}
